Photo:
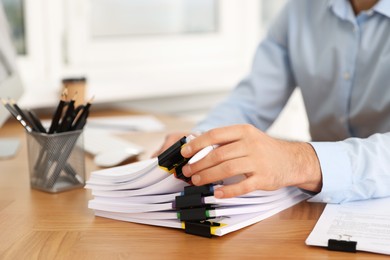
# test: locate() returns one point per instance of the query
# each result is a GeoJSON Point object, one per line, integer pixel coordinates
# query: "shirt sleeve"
{"type": "Point", "coordinates": [260, 97]}
{"type": "Point", "coordinates": [354, 169]}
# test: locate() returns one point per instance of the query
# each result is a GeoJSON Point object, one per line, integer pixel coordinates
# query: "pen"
{"type": "Point", "coordinates": [36, 121]}
{"type": "Point", "coordinates": [30, 122]}
{"type": "Point", "coordinates": [15, 114]}
{"type": "Point", "coordinates": [202, 153]}
{"type": "Point", "coordinates": [18, 110]}
{"type": "Point", "coordinates": [26, 116]}
{"type": "Point", "coordinates": [9, 108]}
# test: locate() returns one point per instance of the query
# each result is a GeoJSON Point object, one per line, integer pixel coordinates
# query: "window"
{"type": "Point", "coordinates": [187, 45]}
{"type": "Point", "coordinates": [14, 10]}
{"type": "Point", "coordinates": [131, 49]}
{"type": "Point", "coordinates": [123, 18]}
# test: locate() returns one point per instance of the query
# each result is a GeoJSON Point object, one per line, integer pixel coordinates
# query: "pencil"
{"type": "Point", "coordinates": [57, 114]}
{"type": "Point", "coordinates": [82, 118]}
{"type": "Point", "coordinates": [68, 117]}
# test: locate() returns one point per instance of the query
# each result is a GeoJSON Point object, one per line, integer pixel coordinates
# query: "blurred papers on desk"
{"type": "Point", "coordinates": [137, 123]}
{"type": "Point", "coordinates": [109, 150]}
{"type": "Point", "coordinates": [8, 147]}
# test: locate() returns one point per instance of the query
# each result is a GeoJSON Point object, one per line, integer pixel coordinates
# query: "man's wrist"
{"type": "Point", "coordinates": [308, 168]}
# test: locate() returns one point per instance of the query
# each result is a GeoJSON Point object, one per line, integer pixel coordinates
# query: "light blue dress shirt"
{"type": "Point", "coordinates": [341, 62]}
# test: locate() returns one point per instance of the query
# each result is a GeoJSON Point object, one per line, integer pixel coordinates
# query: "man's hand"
{"type": "Point", "coordinates": [267, 163]}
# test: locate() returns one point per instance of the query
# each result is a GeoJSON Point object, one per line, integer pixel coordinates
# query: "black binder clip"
{"type": "Point", "coordinates": [204, 190]}
{"type": "Point", "coordinates": [344, 245]}
{"type": "Point", "coordinates": [172, 161]}
{"type": "Point", "coordinates": [188, 201]}
{"type": "Point", "coordinates": [194, 214]}
{"type": "Point", "coordinates": [193, 196]}
{"type": "Point", "coordinates": [200, 228]}
{"type": "Point", "coordinates": [191, 205]}
{"type": "Point", "coordinates": [193, 210]}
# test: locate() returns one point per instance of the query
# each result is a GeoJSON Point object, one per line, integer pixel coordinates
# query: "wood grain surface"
{"type": "Point", "coordinates": [39, 225]}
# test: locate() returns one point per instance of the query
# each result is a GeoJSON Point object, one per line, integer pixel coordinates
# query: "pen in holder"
{"type": "Point", "coordinates": [56, 161]}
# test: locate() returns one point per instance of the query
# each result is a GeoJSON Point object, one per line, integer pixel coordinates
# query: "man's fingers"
{"type": "Point", "coordinates": [222, 171]}
{"type": "Point", "coordinates": [220, 136]}
{"type": "Point", "coordinates": [218, 155]}
{"type": "Point", "coordinates": [237, 189]}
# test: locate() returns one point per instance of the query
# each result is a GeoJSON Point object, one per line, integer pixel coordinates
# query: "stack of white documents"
{"type": "Point", "coordinates": [144, 193]}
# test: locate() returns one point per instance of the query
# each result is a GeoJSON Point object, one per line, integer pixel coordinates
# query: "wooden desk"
{"type": "Point", "coordinates": [38, 225]}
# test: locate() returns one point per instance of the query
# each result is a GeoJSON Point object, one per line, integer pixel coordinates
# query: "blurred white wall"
{"type": "Point", "coordinates": [179, 57]}
{"type": "Point", "coordinates": [292, 124]}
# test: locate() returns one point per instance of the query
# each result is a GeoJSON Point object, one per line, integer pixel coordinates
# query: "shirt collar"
{"type": "Point", "coordinates": [344, 10]}
{"type": "Point", "coordinates": [383, 7]}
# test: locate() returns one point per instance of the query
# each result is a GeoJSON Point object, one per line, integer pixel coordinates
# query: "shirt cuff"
{"type": "Point", "coordinates": [336, 172]}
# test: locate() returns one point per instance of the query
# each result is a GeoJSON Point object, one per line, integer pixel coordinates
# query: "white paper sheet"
{"type": "Point", "coordinates": [366, 222]}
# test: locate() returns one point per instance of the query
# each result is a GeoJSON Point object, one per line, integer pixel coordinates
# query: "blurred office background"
{"type": "Point", "coordinates": [179, 57]}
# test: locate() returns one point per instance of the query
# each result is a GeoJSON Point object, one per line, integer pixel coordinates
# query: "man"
{"type": "Point", "coordinates": [338, 53]}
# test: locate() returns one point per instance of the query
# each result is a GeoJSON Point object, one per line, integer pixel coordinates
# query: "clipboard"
{"type": "Point", "coordinates": [354, 226]}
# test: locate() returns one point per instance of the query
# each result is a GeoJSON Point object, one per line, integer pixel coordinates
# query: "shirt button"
{"type": "Point", "coordinates": [346, 76]}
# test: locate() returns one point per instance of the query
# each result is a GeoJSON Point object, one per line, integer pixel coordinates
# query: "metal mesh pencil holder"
{"type": "Point", "coordinates": [56, 161]}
